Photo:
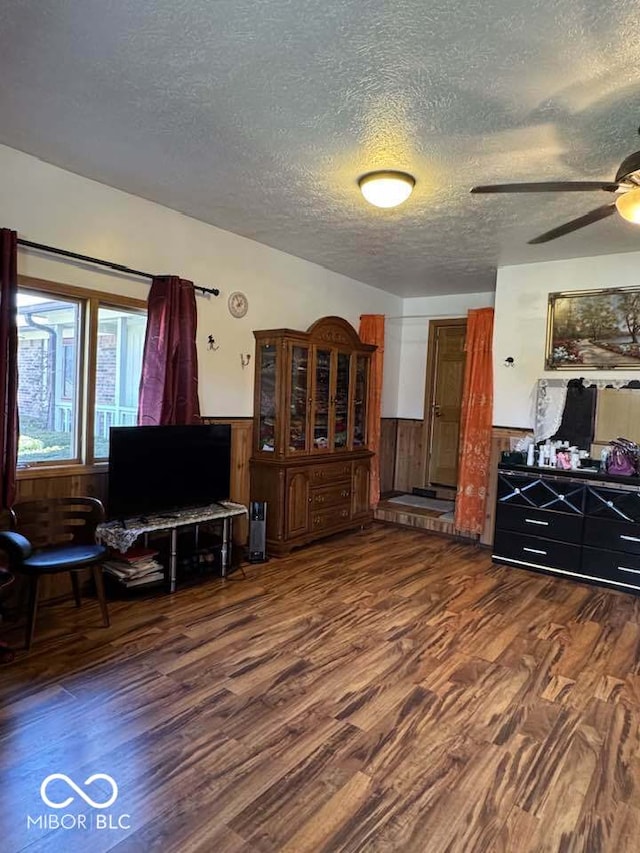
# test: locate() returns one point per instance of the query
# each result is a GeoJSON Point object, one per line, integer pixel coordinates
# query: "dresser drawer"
{"type": "Point", "coordinates": [609, 565]}
{"type": "Point", "coordinates": [329, 473]}
{"type": "Point", "coordinates": [540, 492]}
{"type": "Point", "coordinates": [328, 518]}
{"type": "Point", "coordinates": [614, 504]}
{"type": "Point", "coordinates": [540, 522]}
{"type": "Point", "coordinates": [326, 496]}
{"type": "Point", "coordinates": [612, 535]}
{"type": "Point", "coordinates": [547, 553]}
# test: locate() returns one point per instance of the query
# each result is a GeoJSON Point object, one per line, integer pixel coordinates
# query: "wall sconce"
{"type": "Point", "coordinates": [245, 359]}
{"type": "Point", "coordinates": [509, 361]}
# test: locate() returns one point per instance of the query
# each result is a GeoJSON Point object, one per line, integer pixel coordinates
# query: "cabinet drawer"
{"type": "Point", "coordinates": [540, 522]}
{"type": "Point", "coordinates": [334, 495]}
{"type": "Point", "coordinates": [613, 535]}
{"type": "Point", "coordinates": [607, 565]}
{"type": "Point", "coordinates": [614, 504]}
{"type": "Point", "coordinates": [537, 491]}
{"type": "Point", "coordinates": [329, 473]}
{"type": "Point", "coordinates": [536, 551]}
{"type": "Point", "coordinates": [327, 518]}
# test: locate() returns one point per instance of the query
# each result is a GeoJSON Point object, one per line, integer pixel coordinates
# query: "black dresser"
{"type": "Point", "coordinates": [574, 523]}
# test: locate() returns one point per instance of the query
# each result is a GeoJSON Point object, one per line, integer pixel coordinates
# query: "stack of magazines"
{"type": "Point", "coordinates": [136, 567]}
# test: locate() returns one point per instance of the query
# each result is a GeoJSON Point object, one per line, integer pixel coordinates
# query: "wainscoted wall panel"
{"type": "Point", "coordinates": [500, 440]}
{"type": "Point", "coordinates": [401, 454]}
{"type": "Point", "coordinates": [241, 445]}
{"type": "Point", "coordinates": [388, 436]}
{"type": "Point", "coordinates": [33, 486]}
{"type": "Point", "coordinates": [409, 453]}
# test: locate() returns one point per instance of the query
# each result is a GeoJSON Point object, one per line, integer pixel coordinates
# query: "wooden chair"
{"type": "Point", "coordinates": [6, 652]}
{"type": "Point", "coordinates": [53, 536]}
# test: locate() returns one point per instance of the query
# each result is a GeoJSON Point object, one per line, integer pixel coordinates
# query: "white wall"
{"type": "Point", "coordinates": [413, 332]}
{"type": "Point", "coordinates": [521, 322]}
{"type": "Point", "coordinates": [51, 206]}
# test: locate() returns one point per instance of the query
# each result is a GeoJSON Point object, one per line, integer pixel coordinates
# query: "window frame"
{"type": "Point", "coordinates": [90, 303]}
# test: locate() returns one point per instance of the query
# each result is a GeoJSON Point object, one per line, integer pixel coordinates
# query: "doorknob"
{"type": "Point", "coordinates": [436, 410]}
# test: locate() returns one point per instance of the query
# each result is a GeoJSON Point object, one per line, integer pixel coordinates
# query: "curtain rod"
{"type": "Point", "coordinates": [449, 314]}
{"type": "Point", "coordinates": [117, 267]}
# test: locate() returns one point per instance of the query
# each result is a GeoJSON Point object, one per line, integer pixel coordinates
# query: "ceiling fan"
{"type": "Point", "coordinates": [626, 185]}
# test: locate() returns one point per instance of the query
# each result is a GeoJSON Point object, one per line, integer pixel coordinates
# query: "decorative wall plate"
{"type": "Point", "coordinates": [238, 304]}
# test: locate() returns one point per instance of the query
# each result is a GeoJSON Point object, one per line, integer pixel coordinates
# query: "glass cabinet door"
{"type": "Point", "coordinates": [361, 390]}
{"type": "Point", "coordinates": [321, 399]}
{"type": "Point", "coordinates": [298, 400]}
{"type": "Point", "coordinates": [267, 401]}
{"type": "Point", "coordinates": [341, 402]}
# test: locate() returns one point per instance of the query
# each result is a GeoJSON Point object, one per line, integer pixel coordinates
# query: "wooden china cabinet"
{"type": "Point", "coordinates": [310, 458]}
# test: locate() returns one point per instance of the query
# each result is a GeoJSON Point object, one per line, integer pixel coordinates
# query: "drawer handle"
{"type": "Point", "coordinates": [633, 571]}
{"type": "Point", "coordinates": [630, 538]}
{"type": "Point", "coordinates": [535, 551]}
{"type": "Point", "coordinates": [535, 521]}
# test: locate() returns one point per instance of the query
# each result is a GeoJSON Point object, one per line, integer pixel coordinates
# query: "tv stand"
{"type": "Point", "coordinates": [123, 533]}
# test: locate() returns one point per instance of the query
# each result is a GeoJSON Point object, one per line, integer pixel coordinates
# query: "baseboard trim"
{"type": "Point", "coordinates": [423, 492]}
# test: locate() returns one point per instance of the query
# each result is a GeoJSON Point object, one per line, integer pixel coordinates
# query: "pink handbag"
{"type": "Point", "coordinates": [623, 458]}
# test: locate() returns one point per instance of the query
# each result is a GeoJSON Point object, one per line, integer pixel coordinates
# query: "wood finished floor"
{"type": "Point", "coordinates": [382, 691]}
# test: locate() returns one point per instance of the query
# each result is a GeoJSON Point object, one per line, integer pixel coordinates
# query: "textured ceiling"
{"type": "Point", "coordinates": [258, 116]}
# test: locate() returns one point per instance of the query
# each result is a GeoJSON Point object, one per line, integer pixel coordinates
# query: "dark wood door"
{"type": "Point", "coordinates": [297, 503]}
{"type": "Point", "coordinates": [360, 488]}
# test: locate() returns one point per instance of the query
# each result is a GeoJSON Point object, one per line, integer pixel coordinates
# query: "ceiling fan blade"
{"type": "Point", "coordinates": [548, 187]}
{"type": "Point", "coordinates": [574, 224]}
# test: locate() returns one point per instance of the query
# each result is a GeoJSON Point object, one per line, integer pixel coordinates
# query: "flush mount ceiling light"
{"type": "Point", "coordinates": [628, 206]}
{"type": "Point", "coordinates": [386, 189]}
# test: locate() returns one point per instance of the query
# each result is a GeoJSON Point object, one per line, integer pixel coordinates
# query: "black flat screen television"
{"type": "Point", "coordinates": [153, 469]}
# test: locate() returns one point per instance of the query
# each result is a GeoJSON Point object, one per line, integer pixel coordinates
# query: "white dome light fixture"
{"type": "Point", "coordinates": [628, 206]}
{"type": "Point", "coordinates": [386, 189]}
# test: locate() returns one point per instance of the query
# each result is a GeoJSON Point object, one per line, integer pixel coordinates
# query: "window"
{"type": "Point", "coordinates": [79, 365]}
{"type": "Point", "coordinates": [118, 368]}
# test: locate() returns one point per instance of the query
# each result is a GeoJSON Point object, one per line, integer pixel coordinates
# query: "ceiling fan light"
{"type": "Point", "coordinates": [628, 206]}
{"type": "Point", "coordinates": [386, 189]}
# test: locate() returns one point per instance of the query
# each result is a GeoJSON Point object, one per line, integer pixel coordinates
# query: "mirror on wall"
{"type": "Point", "coordinates": [588, 414]}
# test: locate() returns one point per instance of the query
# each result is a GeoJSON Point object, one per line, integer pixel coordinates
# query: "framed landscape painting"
{"type": "Point", "coordinates": [594, 329]}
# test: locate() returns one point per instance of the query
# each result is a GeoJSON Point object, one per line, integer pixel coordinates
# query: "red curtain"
{"type": "Point", "coordinates": [475, 424]}
{"type": "Point", "coordinates": [169, 381]}
{"type": "Point", "coordinates": [8, 365]}
{"type": "Point", "coordinates": [372, 332]}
